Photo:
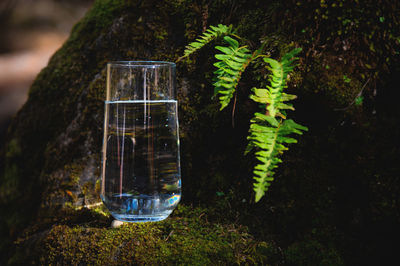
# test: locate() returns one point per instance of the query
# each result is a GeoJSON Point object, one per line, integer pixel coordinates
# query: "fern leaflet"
{"type": "Point", "coordinates": [230, 66]}
{"type": "Point", "coordinates": [267, 133]}
{"type": "Point", "coordinates": [210, 34]}
{"type": "Point", "coordinates": [269, 136]}
{"type": "Point", "coordinates": [273, 96]}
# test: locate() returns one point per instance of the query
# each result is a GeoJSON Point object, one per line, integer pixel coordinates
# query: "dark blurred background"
{"type": "Point", "coordinates": [30, 32]}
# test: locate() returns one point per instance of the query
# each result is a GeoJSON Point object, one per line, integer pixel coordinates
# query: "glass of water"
{"type": "Point", "coordinates": [141, 178]}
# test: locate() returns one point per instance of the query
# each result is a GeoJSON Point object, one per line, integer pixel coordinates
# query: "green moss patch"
{"type": "Point", "coordinates": [188, 237]}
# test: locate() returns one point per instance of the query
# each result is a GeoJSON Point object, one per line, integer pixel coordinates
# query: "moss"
{"type": "Point", "coordinates": [188, 237]}
{"type": "Point", "coordinates": [100, 16]}
{"type": "Point", "coordinates": [332, 80]}
{"type": "Point", "coordinates": [9, 182]}
{"type": "Point", "coordinates": [13, 149]}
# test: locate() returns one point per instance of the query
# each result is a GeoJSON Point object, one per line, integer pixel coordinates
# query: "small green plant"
{"type": "Point", "coordinates": [209, 35]}
{"type": "Point", "coordinates": [270, 130]}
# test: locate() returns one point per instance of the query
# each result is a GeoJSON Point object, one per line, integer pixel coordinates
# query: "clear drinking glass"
{"type": "Point", "coordinates": [141, 178]}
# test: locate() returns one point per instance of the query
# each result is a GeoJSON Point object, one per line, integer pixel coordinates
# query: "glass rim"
{"type": "Point", "coordinates": [143, 63]}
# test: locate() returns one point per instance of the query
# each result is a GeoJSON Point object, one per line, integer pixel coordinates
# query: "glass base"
{"type": "Point", "coordinates": [141, 208]}
{"type": "Point", "coordinates": [140, 218]}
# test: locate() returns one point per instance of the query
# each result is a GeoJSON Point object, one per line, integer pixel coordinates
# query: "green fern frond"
{"type": "Point", "coordinates": [273, 96]}
{"type": "Point", "coordinates": [270, 137]}
{"type": "Point", "coordinates": [230, 66]}
{"type": "Point", "coordinates": [267, 134]}
{"type": "Point", "coordinates": [210, 34]}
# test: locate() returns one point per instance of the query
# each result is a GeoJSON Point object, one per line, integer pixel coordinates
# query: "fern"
{"type": "Point", "coordinates": [269, 131]}
{"type": "Point", "coordinates": [269, 136]}
{"type": "Point", "coordinates": [273, 96]}
{"type": "Point", "coordinates": [266, 132]}
{"type": "Point", "coordinates": [230, 66]}
{"type": "Point", "coordinates": [209, 35]}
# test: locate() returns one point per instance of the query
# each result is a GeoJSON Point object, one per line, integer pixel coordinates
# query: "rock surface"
{"type": "Point", "coordinates": [52, 150]}
{"type": "Point", "coordinates": [337, 186]}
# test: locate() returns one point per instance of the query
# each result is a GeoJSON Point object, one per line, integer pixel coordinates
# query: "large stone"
{"type": "Point", "coordinates": [51, 158]}
{"type": "Point", "coordinates": [339, 179]}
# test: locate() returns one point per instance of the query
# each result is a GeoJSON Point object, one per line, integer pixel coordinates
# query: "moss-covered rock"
{"type": "Point", "coordinates": [50, 161]}
{"type": "Point", "coordinates": [188, 237]}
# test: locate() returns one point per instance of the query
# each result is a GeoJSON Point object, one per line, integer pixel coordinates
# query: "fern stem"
{"type": "Point", "coordinates": [233, 111]}
{"type": "Point", "coordinates": [254, 55]}
{"type": "Point", "coordinates": [274, 110]}
{"type": "Point", "coordinates": [236, 36]}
